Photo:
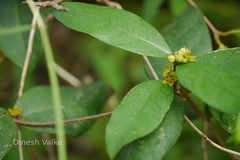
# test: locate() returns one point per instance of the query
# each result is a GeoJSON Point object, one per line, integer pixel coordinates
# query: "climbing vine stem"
{"type": "Point", "coordinates": [62, 154]}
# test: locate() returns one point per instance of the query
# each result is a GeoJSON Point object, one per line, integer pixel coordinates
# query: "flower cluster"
{"type": "Point", "coordinates": [182, 56]}
{"type": "Point", "coordinates": [15, 111]}
{"type": "Point", "coordinates": [169, 75]}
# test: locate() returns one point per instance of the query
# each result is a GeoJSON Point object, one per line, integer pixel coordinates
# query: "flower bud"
{"type": "Point", "coordinates": [179, 58]}
{"type": "Point", "coordinates": [171, 58]}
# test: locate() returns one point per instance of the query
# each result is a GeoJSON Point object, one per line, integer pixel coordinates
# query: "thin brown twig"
{"type": "Point", "coordinates": [68, 77]}
{"type": "Point", "coordinates": [48, 18]}
{"type": "Point", "coordinates": [24, 73]}
{"type": "Point", "coordinates": [54, 4]}
{"type": "Point", "coordinates": [81, 119]}
{"type": "Point", "coordinates": [209, 140]}
{"type": "Point", "coordinates": [155, 76]}
{"type": "Point", "coordinates": [20, 149]}
{"type": "Point", "coordinates": [204, 144]}
{"type": "Point", "coordinates": [111, 4]}
{"type": "Point", "coordinates": [28, 53]}
{"type": "Point", "coordinates": [205, 120]}
{"type": "Point", "coordinates": [192, 3]}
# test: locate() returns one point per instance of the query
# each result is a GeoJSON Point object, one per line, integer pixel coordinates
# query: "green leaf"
{"type": "Point", "coordinates": [116, 27]}
{"type": "Point", "coordinates": [77, 102]}
{"type": "Point", "coordinates": [214, 78]}
{"type": "Point", "coordinates": [188, 30]}
{"type": "Point", "coordinates": [8, 133]}
{"type": "Point", "coordinates": [15, 14]}
{"type": "Point", "coordinates": [150, 8]}
{"type": "Point", "coordinates": [155, 145]}
{"type": "Point", "coordinates": [139, 113]}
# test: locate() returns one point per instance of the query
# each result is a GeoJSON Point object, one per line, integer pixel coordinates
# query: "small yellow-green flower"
{"type": "Point", "coordinates": [183, 56]}
{"type": "Point", "coordinates": [15, 111]}
{"type": "Point", "coordinates": [169, 76]}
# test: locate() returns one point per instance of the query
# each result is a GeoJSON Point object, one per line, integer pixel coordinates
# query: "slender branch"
{"type": "Point", "coordinates": [192, 3]}
{"type": "Point", "coordinates": [81, 119]}
{"type": "Point", "coordinates": [204, 144]}
{"type": "Point", "coordinates": [234, 31]}
{"type": "Point", "coordinates": [155, 76]}
{"type": "Point", "coordinates": [54, 4]}
{"type": "Point", "coordinates": [209, 140]}
{"type": "Point", "coordinates": [48, 18]}
{"type": "Point", "coordinates": [28, 53]}
{"type": "Point", "coordinates": [67, 76]}
{"type": "Point", "coordinates": [62, 153]}
{"type": "Point", "coordinates": [24, 73]}
{"type": "Point", "coordinates": [20, 149]}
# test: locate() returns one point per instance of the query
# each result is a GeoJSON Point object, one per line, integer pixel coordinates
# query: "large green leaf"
{"type": "Point", "coordinates": [150, 8]}
{"type": "Point", "coordinates": [214, 78]}
{"type": "Point", "coordinates": [155, 145]}
{"type": "Point", "coordinates": [188, 30]}
{"type": "Point", "coordinates": [77, 102]}
{"type": "Point", "coordinates": [139, 113]}
{"type": "Point", "coordinates": [116, 27]}
{"type": "Point", "coordinates": [8, 132]}
{"type": "Point", "coordinates": [16, 14]}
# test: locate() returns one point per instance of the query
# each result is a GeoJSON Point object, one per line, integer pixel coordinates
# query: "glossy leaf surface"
{"type": "Point", "coordinates": [140, 112]}
{"type": "Point", "coordinates": [214, 78]}
{"type": "Point", "coordinates": [155, 145]}
{"type": "Point", "coordinates": [116, 27]}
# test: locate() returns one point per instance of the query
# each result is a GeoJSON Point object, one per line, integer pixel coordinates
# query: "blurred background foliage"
{"type": "Point", "coordinates": [89, 60]}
